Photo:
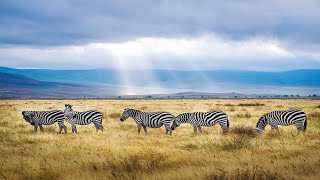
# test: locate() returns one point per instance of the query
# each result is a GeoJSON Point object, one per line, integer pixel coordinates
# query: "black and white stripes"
{"type": "Point", "coordinates": [198, 119]}
{"type": "Point", "coordinates": [158, 119]}
{"type": "Point", "coordinates": [149, 119]}
{"type": "Point", "coordinates": [284, 118]}
{"type": "Point", "coordinates": [83, 118]}
{"type": "Point", "coordinates": [39, 118]}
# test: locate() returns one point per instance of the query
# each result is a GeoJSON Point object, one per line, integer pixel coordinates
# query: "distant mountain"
{"type": "Point", "coordinates": [18, 86]}
{"type": "Point", "coordinates": [173, 78]}
{"type": "Point", "coordinates": [106, 82]}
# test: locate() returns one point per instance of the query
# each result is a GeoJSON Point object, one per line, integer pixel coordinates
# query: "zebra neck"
{"type": "Point", "coordinates": [186, 118]}
{"type": "Point", "coordinates": [262, 123]}
{"type": "Point", "coordinates": [134, 114]}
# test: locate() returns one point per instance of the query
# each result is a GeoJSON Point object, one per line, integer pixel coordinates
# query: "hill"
{"type": "Point", "coordinates": [18, 86]}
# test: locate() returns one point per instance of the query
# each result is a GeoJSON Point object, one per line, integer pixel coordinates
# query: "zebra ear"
{"type": "Point", "coordinates": [65, 105]}
{"type": "Point", "coordinates": [126, 109]}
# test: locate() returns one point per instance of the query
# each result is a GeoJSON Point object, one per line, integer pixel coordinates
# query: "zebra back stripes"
{"type": "Point", "coordinates": [83, 118]}
{"type": "Point", "coordinates": [284, 118]}
{"type": "Point", "coordinates": [149, 119]}
{"type": "Point", "coordinates": [39, 118]}
{"type": "Point", "coordinates": [198, 119]}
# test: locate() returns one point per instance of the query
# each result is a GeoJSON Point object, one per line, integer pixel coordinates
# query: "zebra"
{"type": "Point", "coordinates": [284, 118]}
{"type": "Point", "coordinates": [198, 119]}
{"type": "Point", "coordinates": [148, 119]}
{"type": "Point", "coordinates": [39, 118]}
{"type": "Point", "coordinates": [83, 118]}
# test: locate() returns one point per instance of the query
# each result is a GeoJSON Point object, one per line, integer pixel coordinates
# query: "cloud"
{"type": "Point", "coordinates": [70, 22]}
{"type": "Point", "coordinates": [203, 52]}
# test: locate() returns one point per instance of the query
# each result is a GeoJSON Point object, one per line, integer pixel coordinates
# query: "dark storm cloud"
{"type": "Point", "coordinates": [65, 22]}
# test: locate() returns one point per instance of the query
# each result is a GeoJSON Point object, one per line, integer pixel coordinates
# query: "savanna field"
{"type": "Point", "coordinates": [120, 153]}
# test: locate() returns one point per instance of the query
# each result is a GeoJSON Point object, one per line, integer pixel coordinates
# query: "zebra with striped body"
{"type": "Point", "coordinates": [198, 119]}
{"type": "Point", "coordinates": [284, 118]}
{"type": "Point", "coordinates": [149, 119]}
{"type": "Point", "coordinates": [39, 118]}
{"type": "Point", "coordinates": [83, 118]}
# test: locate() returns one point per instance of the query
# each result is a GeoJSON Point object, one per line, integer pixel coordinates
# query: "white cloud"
{"type": "Point", "coordinates": [204, 52]}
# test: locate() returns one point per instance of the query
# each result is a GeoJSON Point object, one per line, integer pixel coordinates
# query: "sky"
{"type": "Point", "coordinates": [264, 35]}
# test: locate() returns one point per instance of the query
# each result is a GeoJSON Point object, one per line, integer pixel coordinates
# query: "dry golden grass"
{"type": "Point", "coordinates": [119, 153]}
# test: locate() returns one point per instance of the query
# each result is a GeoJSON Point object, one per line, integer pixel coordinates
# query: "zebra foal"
{"type": "Point", "coordinates": [148, 119]}
{"type": "Point", "coordinates": [284, 118]}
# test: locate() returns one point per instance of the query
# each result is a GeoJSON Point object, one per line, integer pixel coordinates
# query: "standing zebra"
{"type": "Point", "coordinates": [198, 119]}
{"type": "Point", "coordinates": [83, 118]}
{"type": "Point", "coordinates": [149, 119]}
{"type": "Point", "coordinates": [284, 118]}
{"type": "Point", "coordinates": [39, 118]}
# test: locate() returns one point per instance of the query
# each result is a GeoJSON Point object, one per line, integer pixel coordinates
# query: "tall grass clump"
{"type": "Point", "coordinates": [244, 114]}
{"type": "Point", "coordinates": [235, 143]}
{"type": "Point", "coordinates": [242, 130]}
{"type": "Point", "coordinates": [250, 104]}
{"type": "Point", "coordinates": [254, 172]}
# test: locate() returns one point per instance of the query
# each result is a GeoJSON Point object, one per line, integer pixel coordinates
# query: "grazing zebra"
{"type": "Point", "coordinates": [149, 119]}
{"type": "Point", "coordinates": [83, 118]}
{"type": "Point", "coordinates": [39, 118]}
{"type": "Point", "coordinates": [198, 119]}
{"type": "Point", "coordinates": [284, 118]}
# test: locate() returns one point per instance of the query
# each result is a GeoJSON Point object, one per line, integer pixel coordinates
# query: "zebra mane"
{"type": "Point", "coordinates": [134, 110]}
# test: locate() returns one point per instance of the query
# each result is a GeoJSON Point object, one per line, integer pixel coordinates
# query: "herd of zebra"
{"type": "Point", "coordinates": [158, 119]}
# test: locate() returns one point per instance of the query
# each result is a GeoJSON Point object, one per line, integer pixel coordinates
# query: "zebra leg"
{"type": "Point", "coordinates": [65, 128]}
{"type": "Point", "coordinates": [41, 128]}
{"type": "Point", "coordinates": [195, 129]}
{"type": "Point", "coordinates": [60, 127]}
{"type": "Point", "coordinates": [97, 126]}
{"type": "Point", "coordinates": [101, 127]}
{"type": "Point", "coordinates": [139, 128]}
{"type": "Point", "coordinates": [74, 128]}
{"type": "Point", "coordinates": [200, 130]}
{"type": "Point", "coordinates": [274, 127]}
{"type": "Point", "coordinates": [35, 128]}
{"type": "Point", "coordinates": [168, 129]}
{"type": "Point", "coordinates": [145, 129]}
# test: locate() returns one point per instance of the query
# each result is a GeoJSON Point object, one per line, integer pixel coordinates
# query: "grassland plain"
{"type": "Point", "coordinates": [119, 153]}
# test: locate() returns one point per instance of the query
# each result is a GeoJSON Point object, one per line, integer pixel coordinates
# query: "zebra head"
{"type": "Point", "coordinates": [261, 124]}
{"type": "Point", "coordinates": [176, 122]}
{"type": "Point", "coordinates": [28, 116]}
{"type": "Point", "coordinates": [125, 115]}
{"type": "Point", "coordinates": [68, 112]}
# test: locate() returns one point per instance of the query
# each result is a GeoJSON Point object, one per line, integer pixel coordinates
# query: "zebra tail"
{"type": "Point", "coordinates": [305, 124]}
{"type": "Point", "coordinates": [227, 121]}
